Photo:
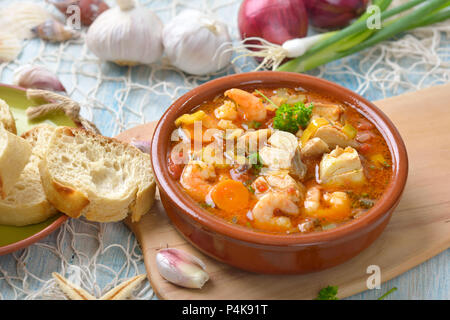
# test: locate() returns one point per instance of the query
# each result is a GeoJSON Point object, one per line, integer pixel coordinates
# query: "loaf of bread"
{"type": "Point", "coordinates": [6, 117]}
{"type": "Point", "coordinates": [14, 154]}
{"type": "Point", "coordinates": [103, 179]}
{"type": "Point", "coordinates": [26, 202]}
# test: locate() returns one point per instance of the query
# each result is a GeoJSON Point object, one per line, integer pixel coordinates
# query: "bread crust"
{"type": "Point", "coordinates": [7, 118]}
{"type": "Point", "coordinates": [76, 200]}
{"type": "Point", "coordinates": [25, 215]}
{"type": "Point", "coordinates": [26, 202]}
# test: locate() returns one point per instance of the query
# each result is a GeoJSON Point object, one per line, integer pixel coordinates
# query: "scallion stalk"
{"type": "Point", "coordinates": [359, 25]}
{"type": "Point", "coordinates": [363, 37]}
{"type": "Point", "coordinates": [401, 25]}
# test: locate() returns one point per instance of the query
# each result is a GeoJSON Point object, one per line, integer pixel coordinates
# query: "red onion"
{"type": "Point", "coordinates": [333, 14]}
{"type": "Point", "coordinates": [273, 20]}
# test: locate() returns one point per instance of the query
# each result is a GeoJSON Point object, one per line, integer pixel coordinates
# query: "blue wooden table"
{"type": "Point", "coordinates": [117, 98]}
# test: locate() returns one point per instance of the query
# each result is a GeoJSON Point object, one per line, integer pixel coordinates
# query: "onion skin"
{"type": "Point", "coordinates": [334, 14]}
{"type": "Point", "coordinates": [273, 20]}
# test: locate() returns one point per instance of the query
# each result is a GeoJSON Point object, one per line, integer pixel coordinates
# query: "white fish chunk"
{"type": "Point", "coordinates": [314, 147]}
{"type": "Point", "coordinates": [333, 137]}
{"type": "Point", "coordinates": [341, 167]}
{"type": "Point", "coordinates": [329, 111]}
{"type": "Point", "coordinates": [275, 158]}
{"type": "Point", "coordinates": [284, 140]}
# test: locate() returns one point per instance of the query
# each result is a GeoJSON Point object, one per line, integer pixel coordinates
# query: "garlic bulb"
{"type": "Point", "coordinates": [196, 43]}
{"type": "Point", "coordinates": [37, 77]}
{"type": "Point", "coordinates": [181, 268]}
{"type": "Point", "coordinates": [126, 34]}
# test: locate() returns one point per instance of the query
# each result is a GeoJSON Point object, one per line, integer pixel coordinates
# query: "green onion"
{"type": "Point", "coordinates": [400, 25]}
{"type": "Point", "coordinates": [357, 36]}
{"type": "Point", "coordinates": [358, 26]}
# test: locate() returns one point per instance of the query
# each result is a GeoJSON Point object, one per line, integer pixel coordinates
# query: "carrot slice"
{"type": "Point", "coordinates": [230, 195]}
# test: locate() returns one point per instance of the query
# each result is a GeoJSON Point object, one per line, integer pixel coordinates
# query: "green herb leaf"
{"type": "Point", "coordinates": [255, 161]}
{"type": "Point", "coordinates": [328, 293]}
{"type": "Point", "coordinates": [291, 118]}
{"type": "Point", "coordinates": [270, 101]}
{"type": "Point", "coordinates": [387, 293]}
{"type": "Point", "coordinates": [205, 205]}
{"type": "Point", "coordinates": [254, 124]}
{"type": "Point", "coordinates": [366, 203]}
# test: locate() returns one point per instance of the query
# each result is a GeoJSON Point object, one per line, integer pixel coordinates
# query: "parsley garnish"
{"type": "Point", "coordinates": [291, 118]}
{"type": "Point", "coordinates": [328, 293]}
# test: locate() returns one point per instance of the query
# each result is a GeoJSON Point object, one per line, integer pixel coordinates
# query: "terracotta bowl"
{"type": "Point", "coordinates": [268, 252]}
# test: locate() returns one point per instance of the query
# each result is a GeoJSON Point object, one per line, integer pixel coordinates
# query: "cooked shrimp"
{"type": "Point", "coordinates": [263, 211]}
{"type": "Point", "coordinates": [249, 106]}
{"type": "Point", "coordinates": [197, 178]}
{"type": "Point", "coordinates": [227, 111]}
{"type": "Point", "coordinates": [280, 182]}
{"type": "Point", "coordinates": [336, 206]}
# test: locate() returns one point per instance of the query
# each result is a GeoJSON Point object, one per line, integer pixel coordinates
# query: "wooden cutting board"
{"type": "Point", "coordinates": [419, 228]}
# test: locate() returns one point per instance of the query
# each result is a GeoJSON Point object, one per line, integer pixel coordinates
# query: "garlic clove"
{"type": "Point", "coordinates": [37, 77]}
{"type": "Point", "coordinates": [196, 43]}
{"type": "Point", "coordinates": [181, 268]}
{"type": "Point", "coordinates": [54, 31]}
{"type": "Point", "coordinates": [127, 35]}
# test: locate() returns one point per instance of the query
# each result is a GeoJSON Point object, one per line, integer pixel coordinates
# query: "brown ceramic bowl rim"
{"type": "Point", "coordinates": [38, 235]}
{"type": "Point", "coordinates": [187, 207]}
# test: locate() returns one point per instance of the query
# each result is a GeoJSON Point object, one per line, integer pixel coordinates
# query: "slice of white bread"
{"type": "Point", "coordinates": [6, 117]}
{"type": "Point", "coordinates": [103, 179]}
{"type": "Point", "coordinates": [26, 203]}
{"type": "Point", "coordinates": [14, 154]}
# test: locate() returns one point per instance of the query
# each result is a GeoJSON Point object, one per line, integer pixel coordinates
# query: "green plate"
{"type": "Point", "coordinates": [14, 238]}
